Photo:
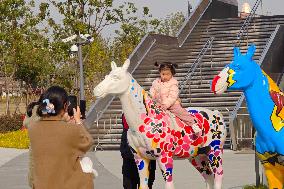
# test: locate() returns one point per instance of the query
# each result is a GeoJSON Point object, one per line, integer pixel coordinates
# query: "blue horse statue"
{"type": "Point", "coordinates": [265, 103]}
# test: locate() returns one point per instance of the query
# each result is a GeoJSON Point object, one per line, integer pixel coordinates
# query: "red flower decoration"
{"type": "Point", "coordinates": [142, 129]}
{"type": "Point", "coordinates": [149, 134]}
{"type": "Point", "coordinates": [164, 159]}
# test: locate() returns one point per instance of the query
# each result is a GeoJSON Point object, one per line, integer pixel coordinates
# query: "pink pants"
{"type": "Point", "coordinates": [181, 113]}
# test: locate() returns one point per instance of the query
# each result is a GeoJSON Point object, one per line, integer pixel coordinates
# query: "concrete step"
{"type": "Point", "coordinates": [224, 31]}
{"type": "Point", "coordinates": [209, 94]}
{"type": "Point", "coordinates": [215, 99]}
{"type": "Point", "coordinates": [105, 117]}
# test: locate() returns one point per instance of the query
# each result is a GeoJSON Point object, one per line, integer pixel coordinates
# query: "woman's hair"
{"type": "Point", "coordinates": [31, 106]}
{"type": "Point", "coordinates": [167, 66]}
{"type": "Point", "coordinates": [53, 101]}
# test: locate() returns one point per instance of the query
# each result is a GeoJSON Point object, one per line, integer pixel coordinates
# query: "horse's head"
{"type": "Point", "coordinates": [116, 82]}
{"type": "Point", "coordinates": [237, 75]}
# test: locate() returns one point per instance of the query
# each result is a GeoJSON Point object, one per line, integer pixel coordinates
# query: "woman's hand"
{"type": "Point", "coordinates": [77, 115]}
{"type": "Point", "coordinates": [66, 117]}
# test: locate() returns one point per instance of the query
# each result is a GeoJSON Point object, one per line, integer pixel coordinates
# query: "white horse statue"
{"type": "Point", "coordinates": [158, 135]}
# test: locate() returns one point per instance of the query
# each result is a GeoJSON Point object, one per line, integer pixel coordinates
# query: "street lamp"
{"type": "Point", "coordinates": [82, 39]}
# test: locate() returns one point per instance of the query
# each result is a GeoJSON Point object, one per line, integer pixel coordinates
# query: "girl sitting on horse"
{"type": "Point", "coordinates": [165, 93]}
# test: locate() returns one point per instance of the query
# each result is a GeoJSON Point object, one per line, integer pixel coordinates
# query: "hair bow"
{"type": "Point", "coordinates": [49, 107]}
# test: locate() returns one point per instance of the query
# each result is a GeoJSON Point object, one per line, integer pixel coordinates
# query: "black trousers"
{"type": "Point", "coordinates": [130, 173]}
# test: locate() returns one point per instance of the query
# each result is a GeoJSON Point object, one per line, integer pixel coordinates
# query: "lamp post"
{"type": "Point", "coordinates": [189, 7]}
{"type": "Point", "coordinates": [82, 88]}
{"type": "Point", "coordinates": [77, 47]}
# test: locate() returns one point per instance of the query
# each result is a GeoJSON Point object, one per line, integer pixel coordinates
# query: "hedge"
{"type": "Point", "coordinates": [10, 123]}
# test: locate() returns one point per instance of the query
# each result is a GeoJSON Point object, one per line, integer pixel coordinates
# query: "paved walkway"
{"type": "Point", "coordinates": [238, 170]}
{"type": "Point", "coordinates": [6, 154]}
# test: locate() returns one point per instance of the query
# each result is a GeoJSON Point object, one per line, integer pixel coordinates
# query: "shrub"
{"type": "Point", "coordinates": [10, 123]}
{"type": "Point", "coordinates": [15, 139]}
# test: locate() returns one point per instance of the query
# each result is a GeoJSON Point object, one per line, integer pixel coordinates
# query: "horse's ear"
{"type": "Point", "coordinates": [251, 51]}
{"type": "Point", "coordinates": [113, 65]}
{"type": "Point", "coordinates": [237, 52]}
{"type": "Point", "coordinates": [126, 64]}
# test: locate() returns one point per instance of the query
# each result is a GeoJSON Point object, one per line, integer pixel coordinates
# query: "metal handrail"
{"type": "Point", "coordinates": [105, 102]}
{"type": "Point", "coordinates": [190, 23]}
{"type": "Point", "coordinates": [207, 45]}
{"type": "Point", "coordinates": [98, 138]}
{"type": "Point", "coordinates": [233, 114]}
{"type": "Point", "coordinates": [279, 81]}
{"type": "Point", "coordinates": [247, 21]}
{"type": "Point", "coordinates": [138, 55]}
{"type": "Point", "coordinates": [107, 131]}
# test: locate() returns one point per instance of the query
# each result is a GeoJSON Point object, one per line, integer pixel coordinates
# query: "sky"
{"type": "Point", "coordinates": [162, 8]}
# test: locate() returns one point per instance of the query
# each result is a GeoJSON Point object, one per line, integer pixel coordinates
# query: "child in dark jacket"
{"type": "Point", "coordinates": [130, 174]}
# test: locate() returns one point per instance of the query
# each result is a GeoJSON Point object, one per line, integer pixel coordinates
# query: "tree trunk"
{"type": "Point", "coordinates": [7, 97]}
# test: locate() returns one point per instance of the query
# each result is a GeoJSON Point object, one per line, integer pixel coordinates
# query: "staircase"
{"type": "Point", "coordinates": [197, 93]}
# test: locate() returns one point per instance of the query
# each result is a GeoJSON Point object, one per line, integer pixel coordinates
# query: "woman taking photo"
{"type": "Point", "coordinates": [58, 145]}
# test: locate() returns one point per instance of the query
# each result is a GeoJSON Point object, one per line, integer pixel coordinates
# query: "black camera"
{"type": "Point", "coordinates": [72, 103]}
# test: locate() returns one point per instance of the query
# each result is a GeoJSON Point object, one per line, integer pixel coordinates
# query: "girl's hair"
{"type": "Point", "coordinates": [31, 106]}
{"type": "Point", "coordinates": [56, 96]}
{"type": "Point", "coordinates": [167, 66]}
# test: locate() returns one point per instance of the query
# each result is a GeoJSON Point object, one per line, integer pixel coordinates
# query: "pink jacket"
{"type": "Point", "coordinates": [165, 93]}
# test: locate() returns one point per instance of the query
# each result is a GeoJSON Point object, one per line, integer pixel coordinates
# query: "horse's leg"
{"type": "Point", "coordinates": [274, 175]}
{"type": "Point", "coordinates": [142, 166]}
{"type": "Point", "coordinates": [166, 165]}
{"type": "Point", "coordinates": [216, 162]}
{"type": "Point", "coordinates": [201, 163]}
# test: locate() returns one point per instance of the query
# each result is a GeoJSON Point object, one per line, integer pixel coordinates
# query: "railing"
{"type": "Point", "coordinates": [234, 113]}
{"type": "Point", "coordinates": [240, 34]}
{"type": "Point", "coordinates": [14, 100]}
{"type": "Point", "coordinates": [101, 140]}
{"type": "Point", "coordinates": [281, 80]}
{"type": "Point", "coordinates": [207, 45]}
{"type": "Point", "coordinates": [247, 22]}
{"type": "Point", "coordinates": [190, 23]}
{"type": "Point", "coordinates": [141, 51]}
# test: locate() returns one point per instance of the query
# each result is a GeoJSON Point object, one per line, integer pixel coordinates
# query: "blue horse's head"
{"type": "Point", "coordinates": [238, 75]}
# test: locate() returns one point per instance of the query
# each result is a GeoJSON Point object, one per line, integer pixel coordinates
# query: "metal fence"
{"type": "Point", "coordinates": [15, 100]}
{"type": "Point", "coordinates": [106, 127]}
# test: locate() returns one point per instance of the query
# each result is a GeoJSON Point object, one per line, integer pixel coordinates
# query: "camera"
{"type": "Point", "coordinates": [72, 103]}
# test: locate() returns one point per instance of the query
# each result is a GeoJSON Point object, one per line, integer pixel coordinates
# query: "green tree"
{"type": "Point", "coordinates": [23, 45]}
{"type": "Point", "coordinates": [97, 64]}
{"type": "Point", "coordinates": [131, 33]}
{"type": "Point", "coordinates": [171, 24]}
{"type": "Point", "coordinates": [88, 16]}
